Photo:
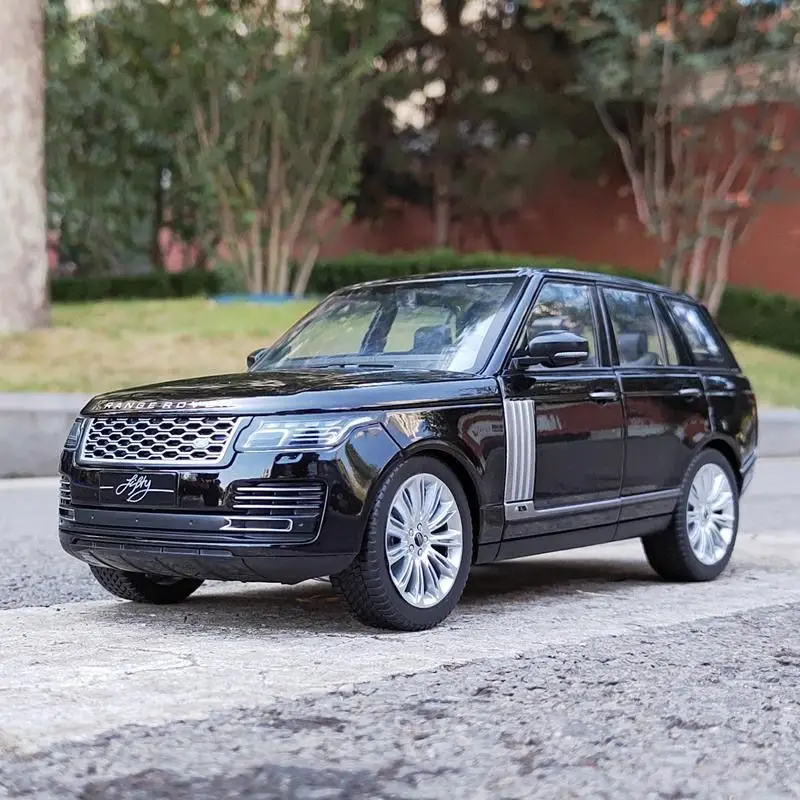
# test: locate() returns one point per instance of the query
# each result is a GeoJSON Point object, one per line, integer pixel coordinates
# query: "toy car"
{"type": "Point", "coordinates": [405, 430]}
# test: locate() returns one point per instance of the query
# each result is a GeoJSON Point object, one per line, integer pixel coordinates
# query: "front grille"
{"type": "Point", "coordinates": [283, 506]}
{"type": "Point", "coordinates": [65, 491]}
{"type": "Point", "coordinates": [179, 441]}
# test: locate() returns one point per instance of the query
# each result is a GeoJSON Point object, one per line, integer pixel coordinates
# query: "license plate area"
{"type": "Point", "coordinates": [138, 489]}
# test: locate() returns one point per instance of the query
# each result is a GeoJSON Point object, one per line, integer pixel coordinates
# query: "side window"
{"type": "Point", "coordinates": [703, 341]}
{"type": "Point", "coordinates": [635, 328]}
{"type": "Point", "coordinates": [673, 359]}
{"type": "Point", "coordinates": [565, 307]}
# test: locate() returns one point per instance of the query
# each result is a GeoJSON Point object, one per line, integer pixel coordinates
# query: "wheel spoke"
{"type": "Point", "coordinates": [695, 536]}
{"type": "Point", "coordinates": [723, 502]}
{"type": "Point", "coordinates": [418, 590]}
{"type": "Point", "coordinates": [442, 563]}
{"type": "Point", "coordinates": [725, 532]}
{"type": "Point", "coordinates": [399, 514]}
{"type": "Point", "coordinates": [446, 538]}
{"type": "Point", "coordinates": [404, 577]}
{"type": "Point", "coordinates": [723, 518]}
{"type": "Point", "coordinates": [717, 542]}
{"type": "Point", "coordinates": [433, 501]}
{"type": "Point", "coordinates": [444, 513]}
{"type": "Point", "coordinates": [395, 529]}
{"type": "Point", "coordinates": [397, 552]}
{"type": "Point", "coordinates": [716, 490]}
{"type": "Point", "coordinates": [431, 580]}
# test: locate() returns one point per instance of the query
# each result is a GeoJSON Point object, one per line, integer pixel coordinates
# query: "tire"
{"type": "Point", "coordinates": [671, 553]}
{"type": "Point", "coordinates": [142, 588]}
{"type": "Point", "coordinates": [370, 587]}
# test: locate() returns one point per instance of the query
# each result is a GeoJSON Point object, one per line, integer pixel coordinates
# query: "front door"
{"type": "Point", "coordinates": [564, 426]}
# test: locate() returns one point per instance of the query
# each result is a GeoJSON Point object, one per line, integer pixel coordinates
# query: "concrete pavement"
{"type": "Point", "coordinates": [569, 675]}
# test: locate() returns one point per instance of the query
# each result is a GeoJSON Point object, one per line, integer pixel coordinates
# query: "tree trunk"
{"type": "Point", "coordinates": [697, 266]}
{"type": "Point", "coordinates": [715, 289]}
{"type": "Point", "coordinates": [441, 206]}
{"type": "Point", "coordinates": [304, 271]}
{"type": "Point", "coordinates": [275, 213]}
{"type": "Point", "coordinates": [157, 255]}
{"type": "Point", "coordinates": [282, 286]}
{"type": "Point", "coordinates": [490, 233]}
{"type": "Point", "coordinates": [256, 256]}
{"type": "Point", "coordinates": [23, 217]}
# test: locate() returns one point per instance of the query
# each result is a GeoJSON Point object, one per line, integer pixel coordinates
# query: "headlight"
{"type": "Point", "coordinates": [75, 433]}
{"type": "Point", "coordinates": [320, 432]}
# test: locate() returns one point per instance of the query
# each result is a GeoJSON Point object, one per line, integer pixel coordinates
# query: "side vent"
{"type": "Point", "coordinates": [520, 449]}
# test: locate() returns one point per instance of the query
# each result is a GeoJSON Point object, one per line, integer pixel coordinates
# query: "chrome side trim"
{"type": "Point", "coordinates": [267, 524]}
{"type": "Point", "coordinates": [748, 463]}
{"type": "Point", "coordinates": [521, 511]}
{"type": "Point", "coordinates": [520, 419]}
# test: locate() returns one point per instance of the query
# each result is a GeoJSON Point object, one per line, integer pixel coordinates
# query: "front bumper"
{"type": "Point", "coordinates": [204, 536]}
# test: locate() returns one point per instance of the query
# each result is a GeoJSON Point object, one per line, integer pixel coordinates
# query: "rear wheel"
{"type": "Point", "coordinates": [141, 588]}
{"type": "Point", "coordinates": [700, 539]}
{"type": "Point", "coordinates": [416, 553]}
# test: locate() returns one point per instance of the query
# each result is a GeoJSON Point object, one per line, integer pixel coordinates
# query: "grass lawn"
{"type": "Point", "coordinates": [95, 347]}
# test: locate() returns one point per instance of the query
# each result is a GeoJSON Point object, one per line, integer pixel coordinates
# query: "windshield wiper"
{"type": "Point", "coordinates": [357, 364]}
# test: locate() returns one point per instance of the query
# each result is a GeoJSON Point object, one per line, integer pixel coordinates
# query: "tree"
{"type": "Point", "coordinates": [23, 249]}
{"type": "Point", "coordinates": [488, 118]}
{"type": "Point", "coordinates": [702, 101]}
{"type": "Point", "coordinates": [268, 101]}
{"type": "Point", "coordinates": [112, 174]}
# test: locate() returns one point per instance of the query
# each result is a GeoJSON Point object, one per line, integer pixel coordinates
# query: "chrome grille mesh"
{"type": "Point", "coordinates": [180, 441]}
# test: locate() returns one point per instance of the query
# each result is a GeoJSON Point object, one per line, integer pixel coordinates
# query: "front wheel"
{"type": "Point", "coordinates": [699, 542]}
{"type": "Point", "coordinates": [153, 589]}
{"type": "Point", "coordinates": [416, 553]}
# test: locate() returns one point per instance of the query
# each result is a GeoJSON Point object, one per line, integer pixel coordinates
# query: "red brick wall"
{"type": "Point", "coordinates": [593, 221]}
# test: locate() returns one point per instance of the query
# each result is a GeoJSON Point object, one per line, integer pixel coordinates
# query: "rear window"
{"type": "Point", "coordinates": [705, 343]}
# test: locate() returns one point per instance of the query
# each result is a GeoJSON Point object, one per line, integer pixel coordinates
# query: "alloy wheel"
{"type": "Point", "coordinates": [711, 514]}
{"type": "Point", "coordinates": [424, 540]}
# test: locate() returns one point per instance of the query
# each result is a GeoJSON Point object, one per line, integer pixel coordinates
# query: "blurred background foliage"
{"type": "Point", "coordinates": [462, 117]}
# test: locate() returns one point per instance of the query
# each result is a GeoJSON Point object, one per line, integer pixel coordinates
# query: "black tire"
{"type": "Point", "coordinates": [145, 588]}
{"type": "Point", "coordinates": [670, 553]}
{"type": "Point", "coordinates": [366, 584]}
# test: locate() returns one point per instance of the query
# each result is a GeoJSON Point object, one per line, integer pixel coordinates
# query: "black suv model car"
{"type": "Point", "coordinates": [405, 430]}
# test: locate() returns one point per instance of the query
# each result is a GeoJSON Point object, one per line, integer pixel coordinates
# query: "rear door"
{"type": "Point", "coordinates": [730, 395]}
{"type": "Point", "coordinates": [666, 411]}
{"type": "Point", "coordinates": [564, 425]}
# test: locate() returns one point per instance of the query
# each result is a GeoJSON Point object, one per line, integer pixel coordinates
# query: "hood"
{"type": "Point", "coordinates": [298, 391]}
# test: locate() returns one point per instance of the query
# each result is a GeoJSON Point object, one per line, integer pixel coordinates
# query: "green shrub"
{"type": "Point", "coordinates": [149, 286]}
{"type": "Point", "coordinates": [769, 319]}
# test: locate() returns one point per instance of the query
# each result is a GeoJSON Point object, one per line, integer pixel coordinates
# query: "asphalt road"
{"type": "Point", "coordinates": [571, 675]}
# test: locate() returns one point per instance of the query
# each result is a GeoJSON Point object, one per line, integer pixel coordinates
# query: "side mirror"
{"type": "Point", "coordinates": [254, 356]}
{"type": "Point", "coordinates": [555, 349]}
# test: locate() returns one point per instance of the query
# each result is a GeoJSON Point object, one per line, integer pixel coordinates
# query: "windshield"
{"type": "Point", "coordinates": [449, 325]}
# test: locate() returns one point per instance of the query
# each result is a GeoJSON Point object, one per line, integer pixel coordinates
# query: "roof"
{"type": "Point", "coordinates": [486, 274]}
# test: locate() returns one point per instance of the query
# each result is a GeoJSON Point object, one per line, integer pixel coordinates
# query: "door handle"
{"type": "Point", "coordinates": [689, 392]}
{"type": "Point", "coordinates": [603, 397]}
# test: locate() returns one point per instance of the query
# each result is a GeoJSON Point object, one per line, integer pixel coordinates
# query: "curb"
{"type": "Point", "coordinates": [33, 428]}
